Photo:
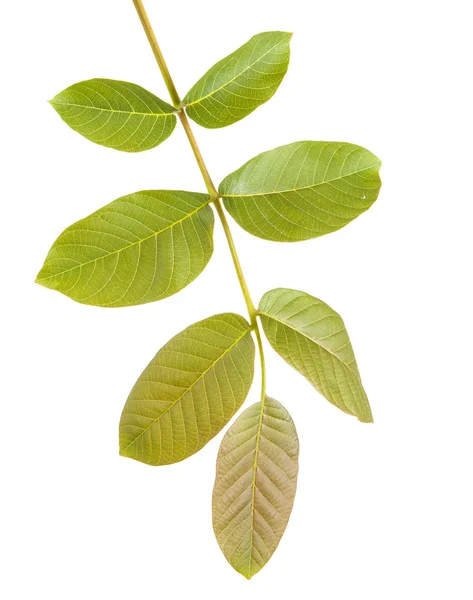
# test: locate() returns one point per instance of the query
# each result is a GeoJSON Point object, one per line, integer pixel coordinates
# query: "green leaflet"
{"type": "Point", "coordinates": [137, 249]}
{"type": "Point", "coordinates": [302, 190]}
{"type": "Point", "coordinates": [255, 485]}
{"type": "Point", "coordinates": [189, 391]}
{"type": "Point", "coordinates": [312, 338]}
{"type": "Point", "coordinates": [149, 245]}
{"type": "Point", "coordinates": [116, 114]}
{"type": "Point", "coordinates": [238, 84]}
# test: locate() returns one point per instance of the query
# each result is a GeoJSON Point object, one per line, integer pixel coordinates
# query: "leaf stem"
{"type": "Point", "coordinates": [236, 261]}
{"type": "Point", "coordinates": [198, 156]}
{"type": "Point", "coordinates": [153, 42]}
{"type": "Point", "coordinates": [214, 195]}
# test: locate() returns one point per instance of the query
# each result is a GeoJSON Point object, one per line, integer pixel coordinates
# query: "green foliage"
{"type": "Point", "coordinates": [116, 114]}
{"type": "Point", "coordinates": [312, 338]}
{"type": "Point", "coordinates": [302, 190]}
{"type": "Point", "coordinates": [151, 244]}
{"type": "Point", "coordinates": [189, 391]}
{"type": "Point", "coordinates": [137, 249]}
{"type": "Point", "coordinates": [255, 485]}
{"type": "Point", "coordinates": [239, 83]}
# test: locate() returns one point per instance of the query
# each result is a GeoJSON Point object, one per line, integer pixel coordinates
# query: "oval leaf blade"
{"type": "Point", "coordinates": [242, 81]}
{"type": "Point", "coordinates": [302, 190]}
{"type": "Point", "coordinates": [140, 248]}
{"type": "Point", "coordinates": [189, 391]}
{"type": "Point", "coordinates": [116, 114]}
{"type": "Point", "coordinates": [255, 485]}
{"type": "Point", "coordinates": [312, 338]}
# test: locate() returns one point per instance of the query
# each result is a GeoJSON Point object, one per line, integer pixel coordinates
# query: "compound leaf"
{"type": "Point", "coordinates": [255, 485]}
{"type": "Point", "coordinates": [189, 391]}
{"type": "Point", "coordinates": [302, 190]}
{"type": "Point", "coordinates": [312, 338]}
{"type": "Point", "coordinates": [238, 84]}
{"type": "Point", "coordinates": [116, 114]}
{"type": "Point", "coordinates": [140, 248]}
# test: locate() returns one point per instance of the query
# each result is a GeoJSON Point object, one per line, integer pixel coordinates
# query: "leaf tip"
{"type": "Point", "coordinates": [122, 450]}
{"type": "Point", "coordinates": [38, 279]}
{"type": "Point", "coordinates": [286, 36]}
{"type": "Point", "coordinates": [366, 418]}
{"type": "Point", "coordinates": [54, 104]}
{"type": "Point", "coordinates": [246, 572]}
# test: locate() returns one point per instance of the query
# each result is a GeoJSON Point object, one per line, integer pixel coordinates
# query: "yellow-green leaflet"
{"type": "Point", "coordinates": [255, 485]}
{"type": "Point", "coordinates": [312, 338]}
{"type": "Point", "coordinates": [116, 114]}
{"type": "Point", "coordinates": [239, 83]}
{"type": "Point", "coordinates": [302, 190]}
{"type": "Point", "coordinates": [189, 391]}
{"type": "Point", "coordinates": [137, 249]}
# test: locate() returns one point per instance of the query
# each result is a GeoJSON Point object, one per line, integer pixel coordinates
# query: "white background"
{"type": "Point", "coordinates": [383, 511]}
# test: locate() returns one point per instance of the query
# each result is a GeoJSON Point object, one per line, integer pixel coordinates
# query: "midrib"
{"type": "Point", "coordinates": [112, 110]}
{"type": "Point", "coordinates": [306, 187]}
{"type": "Point", "coordinates": [233, 78]}
{"type": "Point", "coordinates": [154, 234]}
{"type": "Point", "coordinates": [313, 341]}
{"type": "Point", "coordinates": [194, 383]}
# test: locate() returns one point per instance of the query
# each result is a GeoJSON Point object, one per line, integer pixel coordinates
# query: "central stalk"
{"type": "Point", "coordinates": [214, 195]}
